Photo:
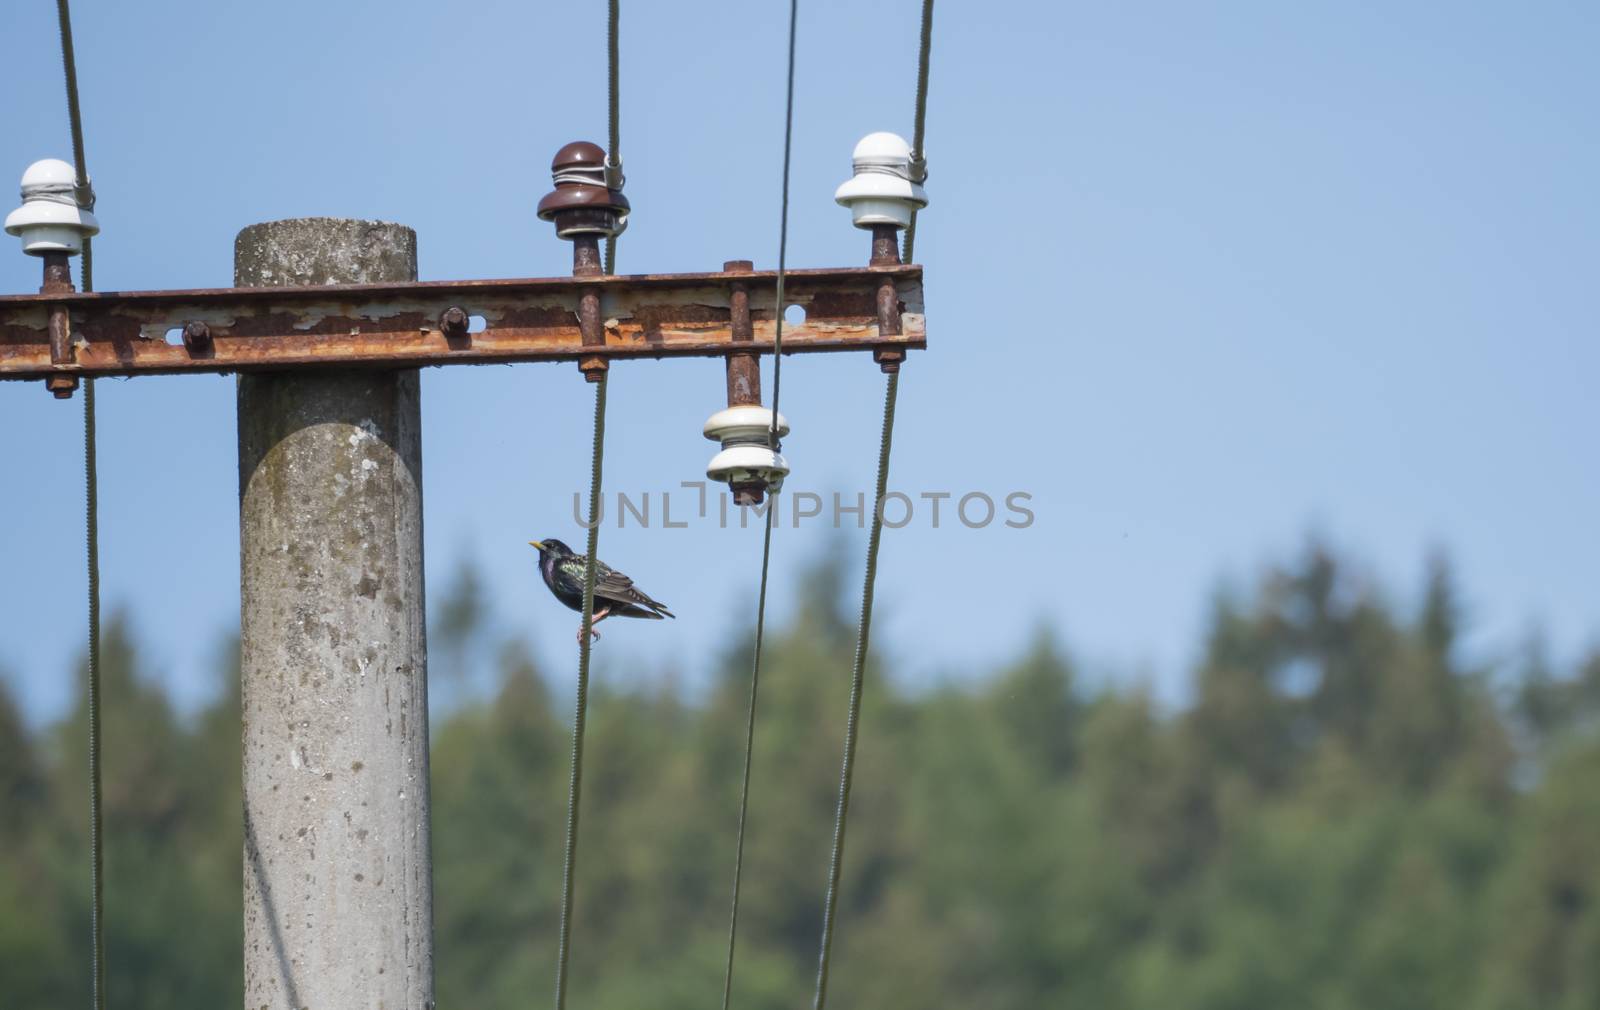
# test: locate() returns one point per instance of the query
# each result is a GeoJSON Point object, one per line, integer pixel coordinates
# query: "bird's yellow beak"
{"type": "Point", "coordinates": [538, 544]}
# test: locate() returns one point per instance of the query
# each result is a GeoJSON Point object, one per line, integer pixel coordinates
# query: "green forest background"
{"type": "Point", "coordinates": [1344, 815]}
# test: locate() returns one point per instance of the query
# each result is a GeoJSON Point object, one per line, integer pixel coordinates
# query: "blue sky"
{"type": "Point", "coordinates": [1202, 279]}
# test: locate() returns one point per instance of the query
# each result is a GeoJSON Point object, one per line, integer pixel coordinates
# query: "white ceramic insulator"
{"type": "Point", "coordinates": [48, 220]}
{"type": "Point", "coordinates": [742, 464]}
{"type": "Point", "coordinates": [752, 423]}
{"type": "Point", "coordinates": [746, 456]}
{"type": "Point", "coordinates": [882, 191]}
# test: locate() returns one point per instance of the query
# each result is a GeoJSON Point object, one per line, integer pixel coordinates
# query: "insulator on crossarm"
{"type": "Point", "coordinates": [886, 187]}
{"type": "Point", "coordinates": [50, 219]}
{"type": "Point", "coordinates": [587, 198]}
{"type": "Point", "coordinates": [747, 461]}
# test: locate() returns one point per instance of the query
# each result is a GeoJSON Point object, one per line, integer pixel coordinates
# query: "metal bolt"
{"type": "Point", "coordinates": [885, 245]}
{"type": "Point", "coordinates": [586, 261]}
{"type": "Point", "coordinates": [590, 325]}
{"type": "Point", "coordinates": [886, 252]}
{"type": "Point", "coordinates": [454, 322]}
{"type": "Point", "coordinates": [57, 274]}
{"type": "Point", "coordinates": [58, 280]}
{"type": "Point", "coordinates": [196, 337]}
{"type": "Point", "coordinates": [743, 370]}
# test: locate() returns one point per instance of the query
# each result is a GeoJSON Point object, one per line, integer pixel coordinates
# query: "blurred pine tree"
{"type": "Point", "coordinates": [1344, 816]}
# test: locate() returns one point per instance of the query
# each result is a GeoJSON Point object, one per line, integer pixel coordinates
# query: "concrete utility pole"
{"type": "Point", "coordinates": [338, 900]}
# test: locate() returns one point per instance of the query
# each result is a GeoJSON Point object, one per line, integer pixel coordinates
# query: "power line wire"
{"type": "Point", "coordinates": [575, 788]}
{"type": "Point", "coordinates": [85, 198]}
{"type": "Point", "coordinates": [749, 755]}
{"type": "Point", "coordinates": [613, 113]}
{"type": "Point", "coordinates": [783, 230]}
{"type": "Point", "coordinates": [766, 537]}
{"type": "Point", "coordinates": [919, 162]}
{"type": "Point", "coordinates": [852, 722]}
{"type": "Point", "coordinates": [830, 908]}
{"type": "Point", "coordinates": [580, 717]}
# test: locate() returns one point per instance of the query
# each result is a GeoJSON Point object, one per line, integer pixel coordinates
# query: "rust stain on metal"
{"type": "Point", "coordinates": [832, 304]}
{"type": "Point", "coordinates": [885, 245]}
{"type": "Point", "coordinates": [58, 325]}
{"type": "Point", "coordinates": [744, 369]}
{"type": "Point", "coordinates": [886, 252]}
{"type": "Point", "coordinates": [402, 325]}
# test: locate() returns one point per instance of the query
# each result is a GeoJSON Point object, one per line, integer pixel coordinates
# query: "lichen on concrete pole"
{"type": "Point", "coordinates": [338, 893]}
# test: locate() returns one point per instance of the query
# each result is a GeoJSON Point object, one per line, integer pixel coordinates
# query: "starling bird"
{"type": "Point", "coordinates": [614, 593]}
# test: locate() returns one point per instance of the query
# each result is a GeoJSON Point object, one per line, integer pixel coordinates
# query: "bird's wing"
{"type": "Point", "coordinates": [608, 582]}
{"type": "Point", "coordinates": [568, 573]}
{"type": "Point", "coordinates": [613, 585]}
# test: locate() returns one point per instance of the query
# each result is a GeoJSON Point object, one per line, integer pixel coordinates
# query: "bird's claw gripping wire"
{"type": "Point", "coordinates": [599, 616]}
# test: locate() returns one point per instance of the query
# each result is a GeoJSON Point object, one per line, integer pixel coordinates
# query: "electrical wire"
{"type": "Point", "coordinates": [766, 538]}
{"type": "Point", "coordinates": [85, 199]}
{"type": "Point", "coordinates": [830, 907]}
{"type": "Point", "coordinates": [575, 788]}
{"type": "Point", "coordinates": [918, 156]}
{"type": "Point", "coordinates": [613, 113]}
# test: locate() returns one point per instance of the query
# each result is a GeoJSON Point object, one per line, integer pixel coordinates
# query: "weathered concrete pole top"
{"type": "Point", "coordinates": [324, 250]}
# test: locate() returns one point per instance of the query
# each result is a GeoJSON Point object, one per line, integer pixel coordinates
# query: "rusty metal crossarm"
{"type": "Point", "coordinates": [409, 325]}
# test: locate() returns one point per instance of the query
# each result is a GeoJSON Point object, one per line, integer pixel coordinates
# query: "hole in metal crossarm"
{"type": "Point", "coordinates": [794, 316]}
{"type": "Point", "coordinates": [477, 324]}
{"type": "Point", "coordinates": [175, 337]}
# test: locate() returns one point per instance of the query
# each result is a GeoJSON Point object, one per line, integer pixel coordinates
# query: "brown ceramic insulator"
{"type": "Point", "coordinates": [580, 202]}
{"type": "Point", "coordinates": [580, 155]}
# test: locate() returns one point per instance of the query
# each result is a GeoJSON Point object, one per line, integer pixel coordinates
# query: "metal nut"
{"type": "Point", "coordinates": [196, 337]}
{"type": "Point", "coordinates": [593, 366]}
{"type": "Point", "coordinates": [454, 322]}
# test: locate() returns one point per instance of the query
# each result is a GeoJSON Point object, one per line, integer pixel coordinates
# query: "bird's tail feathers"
{"type": "Point", "coordinates": [654, 609]}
